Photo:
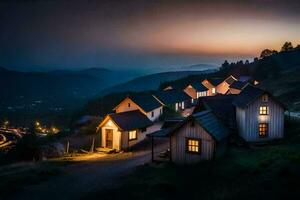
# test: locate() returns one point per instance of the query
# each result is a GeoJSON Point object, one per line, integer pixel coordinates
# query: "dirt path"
{"type": "Point", "coordinates": [77, 180]}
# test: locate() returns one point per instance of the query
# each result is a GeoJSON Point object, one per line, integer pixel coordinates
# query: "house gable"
{"type": "Point", "coordinates": [128, 105]}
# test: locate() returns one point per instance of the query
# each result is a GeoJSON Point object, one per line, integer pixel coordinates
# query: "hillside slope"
{"type": "Point", "coordinates": [150, 82]}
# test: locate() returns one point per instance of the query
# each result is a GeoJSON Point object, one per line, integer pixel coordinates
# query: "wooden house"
{"type": "Point", "coordinates": [196, 90]}
{"type": "Point", "coordinates": [223, 87]}
{"type": "Point", "coordinates": [146, 104]}
{"type": "Point", "coordinates": [175, 99]}
{"type": "Point", "coordinates": [199, 137]}
{"type": "Point", "coordinates": [211, 84]}
{"type": "Point", "coordinates": [222, 107]}
{"type": "Point", "coordinates": [121, 131]}
{"type": "Point", "coordinates": [259, 116]}
{"type": "Point", "coordinates": [236, 87]}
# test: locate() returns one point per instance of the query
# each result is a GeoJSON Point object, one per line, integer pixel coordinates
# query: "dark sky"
{"type": "Point", "coordinates": [47, 35]}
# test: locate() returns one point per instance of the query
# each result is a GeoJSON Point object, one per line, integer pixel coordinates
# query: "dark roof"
{"type": "Point", "coordinates": [147, 102]}
{"type": "Point", "coordinates": [130, 120]}
{"type": "Point", "coordinates": [161, 133]}
{"type": "Point", "coordinates": [248, 94]}
{"type": "Point", "coordinates": [215, 81]}
{"type": "Point", "coordinates": [221, 105]}
{"type": "Point", "coordinates": [238, 85]}
{"type": "Point", "coordinates": [171, 96]}
{"type": "Point", "coordinates": [172, 122]}
{"type": "Point", "coordinates": [209, 122]}
{"type": "Point", "coordinates": [199, 87]}
{"type": "Point", "coordinates": [230, 80]}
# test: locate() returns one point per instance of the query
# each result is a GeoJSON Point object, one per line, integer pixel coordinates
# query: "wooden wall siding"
{"type": "Point", "coordinates": [191, 92]}
{"type": "Point", "coordinates": [234, 91]}
{"type": "Point", "coordinates": [248, 121]}
{"type": "Point", "coordinates": [209, 86]}
{"type": "Point", "coordinates": [127, 144]}
{"type": "Point", "coordinates": [156, 113]}
{"type": "Point", "coordinates": [178, 140]}
{"type": "Point", "coordinates": [222, 87]}
{"type": "Point", "coordinates": [123, 107]}
{"type": "Point", "coordinates": [116, 135]}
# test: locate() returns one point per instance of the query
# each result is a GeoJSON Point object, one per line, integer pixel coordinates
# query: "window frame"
{"type": "Point", "coordinates": [129, 105]}
{"type": "Point", "coordinates": [152, 114]}
{"type": "Point", "coordinates": [136, 135]}
{"type": "Point", "coordinates": [263, 111]}
{"type": "Point", "coordinates": [263, 127]}
{"type": "Point", "coordinates": [213, 90]}
{"type": "Point", "coordinates": [187, 145]}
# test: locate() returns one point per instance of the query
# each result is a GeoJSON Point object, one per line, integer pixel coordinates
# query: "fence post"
{"type": "Point", "coordinates": [67, 148]}
{"type": "Point", "coordinates": [93, 146]}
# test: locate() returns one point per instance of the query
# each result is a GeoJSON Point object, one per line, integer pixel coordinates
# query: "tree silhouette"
{"type": "Point", "coordinates": [267, 52]}
{"type": "Point", "coordinates": [287, 46]}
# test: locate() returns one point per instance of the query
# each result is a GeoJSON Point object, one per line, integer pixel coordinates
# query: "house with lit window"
{"type": "Point", "coordinates": [174, 99]}
{"type": "Point", "coordinates": [146, 104]}
{"type": "Point", "coordinates": [196, 90]}
{"type": "Point", "coordinates": [259, 116]}
{"type": "Point", "coordinates": [120, 131]}
{"type": "Point", "coordinates": [199, 137]}
{"type": "Point", "coordinates": [211, 84]}
{"type": "Point", "coordinates": [236, 87]}
{"type": "Point", "coordinates": [223, 87]}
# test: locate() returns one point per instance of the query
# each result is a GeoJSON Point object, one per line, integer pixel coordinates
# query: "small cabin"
{"type": "Point", "coordinates": [224, 86]}
{"type": "Point", "coordinates": [211, 84]}
{"type": "Point", "coordinates": [236, 87]}
{"type": "Point", "coordinates": [175, 99]}
{"type": "Point", "coordinates": [199, 137]}
{"type": "Point", "coordinates": [259, 116]}
{"type": "Point", "coordinates": [196, 90]}
{"type": "Point", "coordinates": [146, 104]}
{"type": "Point", "coordinates": [121, 131]}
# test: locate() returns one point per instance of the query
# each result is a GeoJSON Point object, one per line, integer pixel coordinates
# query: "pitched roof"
{"type": "Point", "coordinates": [147, 102]}
{"type": "Point", "coordinates": [248, 94]}
{"type": "Point", "coordinates": [171, 96]}
{"type": "Point", "coordinates": [238, 85]}
{"type": "Point", "coordinates": [215, 81]}
{"type": "Point", "coordinates": [199, 87]}
{"type": "Point", "coordinates": [130, 120]}
{"type": "Point", "coordinates": [209, 122]}
{"type": "Point", "coordinates": [230, 80]}
{"type": "Point", "coordinates": [220, 105]}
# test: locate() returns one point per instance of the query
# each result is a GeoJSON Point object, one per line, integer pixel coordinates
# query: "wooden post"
{"type": "Point", "coordinates": [152, 148]}
{"type": "Point", "coordinates": [93, 146]}
{"type": "Point", "coordinates": [67, 149]}
{"type": "Point", "coordinates": [170, 146]}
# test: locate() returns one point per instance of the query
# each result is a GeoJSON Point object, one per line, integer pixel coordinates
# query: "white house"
{"type": "Point", "coordinates": [259, 116]}
{"type": "Point", "coordinates": [121, 131]}
{"type": "Point", "coordinates": [146, 104]}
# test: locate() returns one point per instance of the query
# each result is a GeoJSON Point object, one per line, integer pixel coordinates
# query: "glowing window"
{"type": "Point", "coordinates": [132, 135]}
{"type": "Point", "coordinates": [263, 110]}
{"type": "Point", "coordinates": [214, 90]}
{"type": "Point", "coordinates": [263, 129]}
{"type": "Point", "coordinates": [193, 145]}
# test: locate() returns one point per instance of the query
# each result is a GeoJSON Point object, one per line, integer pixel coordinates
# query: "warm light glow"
{"type": "Point", "coordinates": [132, 135]}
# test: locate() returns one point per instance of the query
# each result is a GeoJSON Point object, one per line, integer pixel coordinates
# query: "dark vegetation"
{"type": "Point", "coordinates": [257, 172]}
{"type": "Point", "coordinates": [277, 72]}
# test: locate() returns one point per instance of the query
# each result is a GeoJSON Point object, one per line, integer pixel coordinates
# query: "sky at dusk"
{"type": "Point", "coordinates": [48, 35]}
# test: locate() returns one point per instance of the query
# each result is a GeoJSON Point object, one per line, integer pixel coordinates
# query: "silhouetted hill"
{"type": "Point", "coordinates": [35, 93]}
{"type": "Point", "coordinates": [150, 82]}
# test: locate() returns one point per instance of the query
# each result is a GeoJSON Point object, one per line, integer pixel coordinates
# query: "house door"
{"type": "Point", "coordinates": [109, 138]}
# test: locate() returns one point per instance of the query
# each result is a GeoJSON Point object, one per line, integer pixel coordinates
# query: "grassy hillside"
{"type": "Point", "coordinates": [265, 172]}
